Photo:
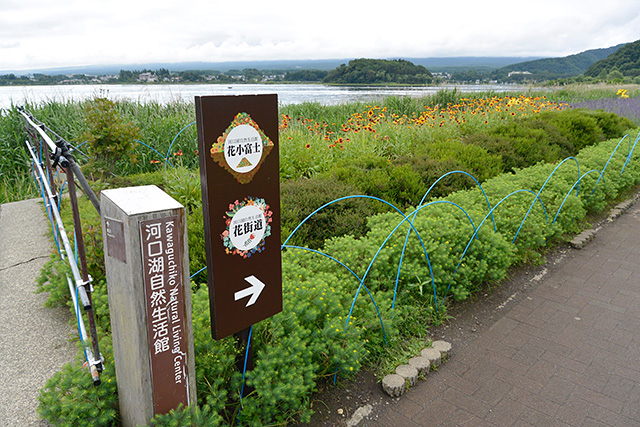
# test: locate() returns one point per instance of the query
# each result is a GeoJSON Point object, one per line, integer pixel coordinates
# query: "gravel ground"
{"type": "Point", "coordinates": [34, 340]}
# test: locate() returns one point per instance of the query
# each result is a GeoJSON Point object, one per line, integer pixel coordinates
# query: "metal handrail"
{"type": "Point", "coordinates": [82, 279]}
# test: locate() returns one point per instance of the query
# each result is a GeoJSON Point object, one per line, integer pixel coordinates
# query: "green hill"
{"type": "Point", "coordinates": [553, 68]}
{"type": "Point", "coordinates": [376, 71]}
{"type": "Point", "coordinates": [625, 60]}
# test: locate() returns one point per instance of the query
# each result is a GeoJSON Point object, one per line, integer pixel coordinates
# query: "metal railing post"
{"type": "Point", "coordinates": [82, 257]}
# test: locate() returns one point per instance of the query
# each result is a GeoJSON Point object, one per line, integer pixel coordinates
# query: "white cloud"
{"type": "Point", "coordinates": [41, 33]}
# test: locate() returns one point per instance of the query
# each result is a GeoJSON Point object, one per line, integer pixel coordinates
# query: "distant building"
{"type": "Point", "coordinates": [272, 77]}
{"type": "Point", "coordinates": [147, 77]}
{"type": "Point", "coordinates": [515, 73]}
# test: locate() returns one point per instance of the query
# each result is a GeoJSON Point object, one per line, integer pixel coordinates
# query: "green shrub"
{"type": "Point", "coordinates": [109, 135]}
{"type": "Point", "coordinates": [378, 177]}
{"type": "Point", "coordinates": [611, 124]}
{"type": "Point", "coordinates": [69, 397]}
{"type": "Point", "coordinates": [500, 146]}
{"type": "Point", "coordinates": [554, 135]}
{"type": "Point", "coordinates": [301, 197]}
{"type": "Point", "coordinates": [530, 145]}
{"type": "Point", "coordinates": [549, 136]}
{"type": "Point", "coordinates": [201, 416]}
{"type": "Point", "coordinates": [469, 158]}
{"type": "Point", "coordinates": [430, 170]}
{"type": "Point", "coordinates": [580, 128]}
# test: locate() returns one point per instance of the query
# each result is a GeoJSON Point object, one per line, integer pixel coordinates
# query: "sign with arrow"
{"type": "Point", "coordinates": [253, 291]}
{"type": "Point", "coordinates": [239, 174]}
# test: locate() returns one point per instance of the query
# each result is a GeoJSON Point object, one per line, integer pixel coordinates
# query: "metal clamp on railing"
{"type": "Point", "coordinates": [82, 292]}
{"type": "Point", "coordinates": [95, 366]}
{"type": "Point", "coordinates": [61, 152]}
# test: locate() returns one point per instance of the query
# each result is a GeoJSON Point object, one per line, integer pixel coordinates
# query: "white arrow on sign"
{"type": "Point", "coordinates": [254, 290]}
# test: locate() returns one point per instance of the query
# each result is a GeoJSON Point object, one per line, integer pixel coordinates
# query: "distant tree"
{"type": "Point", "coordinates": [626, 60]}
{"type": "Point", "coordinates": [163, 72]}
{"type": "Point", "coordinates": [110, 136]}
{"type": "Point", "coordinates": [128, 76]}
{"type": "Point", "coordinates": [470, 76]}
{"type": "Point", "coordinates": [305, 75]}
{"type": "Point", "coordinates": [252, 74]}
{"type": "Point", "coordinates": [190, 76]}
{"type": "Point", "coordinates": [615, 75]}
{"type": "Point", "coordinates": [376, 71]}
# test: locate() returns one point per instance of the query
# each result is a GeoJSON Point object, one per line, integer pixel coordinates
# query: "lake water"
{"type": "Point", "coordinates": [287, 93]}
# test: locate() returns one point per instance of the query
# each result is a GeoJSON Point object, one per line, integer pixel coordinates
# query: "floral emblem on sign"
{"type": "Point", "coordinates": [242, 148]}
{"type": "Point", "coordinates": [248, 225]}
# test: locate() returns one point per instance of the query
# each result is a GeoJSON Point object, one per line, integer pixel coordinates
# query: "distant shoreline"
{"type": "Point", "coordinates": [288, 93]}
{"type": "Point", "coordinates": [361, 85]}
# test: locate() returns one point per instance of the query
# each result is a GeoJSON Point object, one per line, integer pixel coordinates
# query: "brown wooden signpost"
{"type": "Point", "coordinates": [239, 170]}
{"type": "Point", "coordinates": [162, 273]}
{"type": "Point", "coordinates": [147, 269]}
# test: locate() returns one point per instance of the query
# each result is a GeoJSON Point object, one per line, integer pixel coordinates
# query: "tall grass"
{"type": "Point", "coordinates": [584, 92]}
{"type": "Point", "coordinates": [19, 188]}
{"type": "Point", "coordinates": [13, 159]}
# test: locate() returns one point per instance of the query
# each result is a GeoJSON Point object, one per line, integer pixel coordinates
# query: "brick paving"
{"type": "Point", "coordinates": [567, 354]}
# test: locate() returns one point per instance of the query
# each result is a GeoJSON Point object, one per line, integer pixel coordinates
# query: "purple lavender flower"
{"type": "Point", "coordinates": [626, 107]}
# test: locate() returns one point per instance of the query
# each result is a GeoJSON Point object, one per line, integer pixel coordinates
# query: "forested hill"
{"type": "Point", "coordinates": [553, 68]}
{"type": "Point", "coordinates": [376, 71]}
{"type": "Point", "coordinates": [626, 60]}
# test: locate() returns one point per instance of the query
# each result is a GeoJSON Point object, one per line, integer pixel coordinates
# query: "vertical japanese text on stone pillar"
{"type": "Point", "coordinates": [164, 298]}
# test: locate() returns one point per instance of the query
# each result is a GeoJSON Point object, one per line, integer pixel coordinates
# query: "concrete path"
{"type": "Point", "coordinates": [34, 340]}
{"type": "Point", "coordinates": [566, 353]}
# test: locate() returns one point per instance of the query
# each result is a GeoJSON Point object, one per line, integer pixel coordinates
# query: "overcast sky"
{"type": "Point", "coordinates": [44, 33]}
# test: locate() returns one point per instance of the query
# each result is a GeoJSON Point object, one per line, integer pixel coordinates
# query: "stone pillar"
{"type": "Point", "coordinates": [147, 268]}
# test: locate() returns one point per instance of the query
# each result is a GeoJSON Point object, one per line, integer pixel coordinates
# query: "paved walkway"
{"type": "Point", "coordinates": [34, 340]}
{"type": "Point", "coordinates": [566, 354]}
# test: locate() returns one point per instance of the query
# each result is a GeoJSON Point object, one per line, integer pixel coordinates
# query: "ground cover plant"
{"type": "Point", "coordinates": [338, 320]}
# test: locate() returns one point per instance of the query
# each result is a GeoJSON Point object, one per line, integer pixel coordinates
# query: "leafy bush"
{"type": "Point", "coordinates": [378, 177]}
{"type": "Point", "coordinates": [612, 125]}
{"type": "Point", "coordinates": [469, 158]}
{"type": "Point", "coordinates": [528, 145]}
{"type": "Point", "coordinates": [548, 136]}
{"type": "Point", "coordinates": [301, 197]}
{"type": "Point", "coordinates": [69, 397]}
{"type": "Point", "coordinates": [581, 129]}
{"type": "Point", "coordinates": [109, 135]}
